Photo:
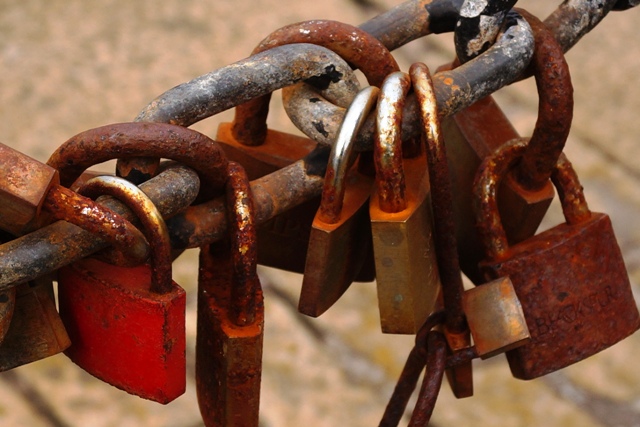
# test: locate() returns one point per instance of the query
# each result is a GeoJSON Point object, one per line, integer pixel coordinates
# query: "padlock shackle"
{"type": "Point", "coordinates": [387, 151]}
{"type": "Point", "coordinates": [66, 205]}
{"type": "Point", "coordinates": [359, 48]}
{"type": "Point", "coordinates": [441, 199]}
{"type": "Point", "coordinates": [342, 153]}
{"type": "Point", "coordinates": [244, 248]}
{"type": "Point", "coordinates": [555, 108]}
{"type": "Point", "coordinates": [155, 228]}
{"type": "Point", "coordinates": [487, 183]}
{"type": "Point", "coordinates": [128, 140]}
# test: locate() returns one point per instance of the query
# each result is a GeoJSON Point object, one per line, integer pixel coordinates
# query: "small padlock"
{"type": "Point", "coordinates": [127, 325]}
{"type": "Point", "coordinates": [230, 317]}
{"type": "Point", "coordinates": [36, 331]}
{"type": "Point", "coordinates": [570, 279]}
{"type": "Point", "coordinates": [401, 221]}
{"type": "Point", "coordinates": [339, 242]}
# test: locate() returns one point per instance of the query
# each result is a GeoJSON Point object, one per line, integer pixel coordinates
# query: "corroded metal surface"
{"type": "Point", "coordinates": [240, 82]}
{"type": "Point", "coordinates": [357, 47]}
{"type": "Point", "coordinates": [455, 89]}
{"type": "Point", "coordinates": [51, 247]}
{"type": "Point", "coordinates": [570, 279]}
{"type": "Point", "coordinates": [478, 26]}
{"type": "Point", "coordinates": [230, 317]}
{"type": "Point", "coordinates": [127, 140]}
{"type": "Point", "coordinates": [24, 184]}
{"type": "Point", "coordinates": [66, 205]}
{"type": "Point", "coordinates": [555, 108]}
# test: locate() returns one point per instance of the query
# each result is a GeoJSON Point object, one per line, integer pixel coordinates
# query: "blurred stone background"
{"type": "Point", "coordinates": [68, 66]}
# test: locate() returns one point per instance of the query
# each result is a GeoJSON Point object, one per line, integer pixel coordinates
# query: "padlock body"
{"type": "Point", "coordinates": [122, 333]}
{"type": "Point", "coordinates": [405, 259]}
{"type": "Point", "coordinates": [575, 294]}
{"type": "Point", "coordinates": [228, 357]}
{"type": "Point", "coordinates": [36, 331]}
{"type": "Point", "coordinates": [337, 251]}
{"type": "Point", "coordinates": [471, 135]}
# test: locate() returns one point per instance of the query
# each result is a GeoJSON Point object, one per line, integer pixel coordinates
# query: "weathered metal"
{"type": "Point", "coordinates": [455, 328]}
{"type": "Point", "coordinates": [478, 26]}
{"type": "Point", "coordinates": [49, 248]}
{"type": "Point", "coordinates": [570, 279]}
{"type": "Point", "coordinates": [128, 140]}
{"type": "Point", "coordinates": [359, 48]}
{"type": "Point", "coordinates": [231, 317]}
{"type": "Point", "coordinates": [407, 277]}
{"type": "Point", "coordinates": [66, 205]}
{"type": "Point", "coordinates": [238, 83]}
{"type": "Point", "coordinates": [24, 185]}
{"type": "Point", "coordinates": [432, 381]}
{"type": "Point", "coordinates": [127, 325]}
{"type": "Point", "coordinates": [455, 89]}
{"type": "Point", "coordinates": [340, 241]}
{"type": "Point", "coordinates": [410, 373]}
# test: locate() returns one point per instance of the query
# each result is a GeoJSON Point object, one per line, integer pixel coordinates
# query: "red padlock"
{"type": "Point", "coordinates": [127, 324]}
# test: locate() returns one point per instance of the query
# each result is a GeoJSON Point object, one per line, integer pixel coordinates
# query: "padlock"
{"type": "Point", "coordinates": [36, 331]}
{"type": "Point", "coordinates": [339, 242]}
{"type": "Point", "coordinates": [570, 279]}
{"type": "Point", "coordinates": [230, 317]}
{"type": "Point", "coordinates": [401, 221]}
{"type": "Point", "coordinates": [476, 132]}
{"type": "Point", "coordinates": [127, 325]}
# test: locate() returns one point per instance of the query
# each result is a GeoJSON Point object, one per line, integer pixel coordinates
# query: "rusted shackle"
{"type": "Point", "coordinates": [359, 48]}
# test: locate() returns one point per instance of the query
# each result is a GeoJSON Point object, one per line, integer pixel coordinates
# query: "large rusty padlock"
{"type": "Point", "coordinates": [476, 132]}
{"type": "Point", "coordinates": [339, 242]}
{"type": "Point", "coordinates": [401, 220]}
{"type": "Point", "coordinates": [230, 317]}
{"type": "Point", "coordinates": [127, 325]}
{"type": "Point", "coordinates": [570, 279]}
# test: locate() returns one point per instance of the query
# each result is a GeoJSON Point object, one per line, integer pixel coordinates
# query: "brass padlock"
{"type": "Point", "coordinates": [230, 316]}
{"type": "Point", "coordinates": [570, 279]}
{"type": "Point", "coordinates": [476, 132]}
{"type": "Point", "coordinates": [340, 240]}
{"type": "Point", "coordinates": [401, 221]}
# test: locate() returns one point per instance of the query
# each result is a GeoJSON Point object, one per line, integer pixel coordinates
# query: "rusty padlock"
{"type": "Point", "coordinates": [339, 242]}
{"type": "Point", "coordinates": [401, 221]}
{"type": "Point", "coordinates": [571, 279]}
{"type": "Point", "coordinates": [36, 331]}
{"type": "Point", "coordinates": [479, 130]}
{"type": "Point", "coordinates": [230, 317]}
{"type": "Point", "coordinates": [127, 325]}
